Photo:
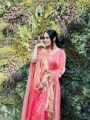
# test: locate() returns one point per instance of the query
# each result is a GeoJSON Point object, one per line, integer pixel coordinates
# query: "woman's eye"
{"type": "Point", "coordinates": [46, 37]}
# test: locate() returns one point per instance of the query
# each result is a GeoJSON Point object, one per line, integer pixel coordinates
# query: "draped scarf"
{"type": "Point", "coordinates": [40, 78]}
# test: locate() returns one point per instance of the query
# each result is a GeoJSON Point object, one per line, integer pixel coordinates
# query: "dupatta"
{"type": "Point", "coordinates": [40, 78]}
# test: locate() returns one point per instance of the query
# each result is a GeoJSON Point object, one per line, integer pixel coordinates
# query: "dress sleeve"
{"type": "Point", "coordinates": [39, 56]}
{"type": "Point", "coordinates": [62, 63]}
{"type": "Point", "coordinates": [33, 60]}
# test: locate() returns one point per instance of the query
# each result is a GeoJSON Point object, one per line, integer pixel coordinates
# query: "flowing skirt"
{"type": "Point", "coordinates": [36, 105]}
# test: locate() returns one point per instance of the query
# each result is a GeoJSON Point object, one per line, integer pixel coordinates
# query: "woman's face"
{"type": "Point", "coordinates": [47, 40]}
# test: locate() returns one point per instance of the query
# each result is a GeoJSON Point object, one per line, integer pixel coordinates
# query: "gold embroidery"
{"type": "Point", "coordinates": [49, 84]}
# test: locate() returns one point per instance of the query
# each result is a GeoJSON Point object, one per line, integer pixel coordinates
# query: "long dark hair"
{"type": "Point", "coordinates": [53, 34]}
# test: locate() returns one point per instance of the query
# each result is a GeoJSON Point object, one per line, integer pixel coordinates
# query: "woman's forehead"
{"type": "Point", "coordinates": [46, 34]}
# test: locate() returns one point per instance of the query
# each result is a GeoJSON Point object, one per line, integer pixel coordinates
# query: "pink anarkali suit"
{"type": "Point", "coordinates": [42, 97]}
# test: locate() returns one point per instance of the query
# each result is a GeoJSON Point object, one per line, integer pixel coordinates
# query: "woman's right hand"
{"type": "Point", "coordinates": [39, 45]}
{"type": "Point", "coordinates": [35, 52]}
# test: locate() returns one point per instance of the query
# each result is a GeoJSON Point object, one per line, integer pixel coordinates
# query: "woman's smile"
{"type": "Point", "coordinates": [47, 40]}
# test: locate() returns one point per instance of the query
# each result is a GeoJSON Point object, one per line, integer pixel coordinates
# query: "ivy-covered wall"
{"type": "Point", "coordinates": [22, 22]}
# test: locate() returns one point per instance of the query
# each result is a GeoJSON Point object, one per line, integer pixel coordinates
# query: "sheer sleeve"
{"type": "Point", "coordinates": [33, 60]}
{"type": "Point", "coordinates": [62, 62]}
{"type": "Point", "coordinates": [36, 56]}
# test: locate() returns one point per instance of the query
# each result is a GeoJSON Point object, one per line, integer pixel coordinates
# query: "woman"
{"type": "Point", "coordinates": [42, 97]}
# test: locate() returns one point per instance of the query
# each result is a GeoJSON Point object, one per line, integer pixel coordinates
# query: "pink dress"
{"type": "Point", "coordinates": [34, 110]}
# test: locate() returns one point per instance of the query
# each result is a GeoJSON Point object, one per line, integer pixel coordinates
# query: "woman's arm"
{"type": "Point", "coordinates": [34, 55]}
{"type": "Point", "coordinates": [62, 64]}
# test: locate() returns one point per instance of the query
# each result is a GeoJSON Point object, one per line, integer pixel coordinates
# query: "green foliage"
{"type": "Point", "coordinates": [6, 51]}
{"type": "Point", "coordinates": [1, 77]}
{"type": "Point", "coordinates": [40, 16]}
{"type": "Point", "coordinates": [3, 62]}
{"type": "Point", "coordinates": [20, 89]}
{"type": "Point", "coordinates": [41, 19]}
{"type": "Point", "coordinates": [11, 103]}
{"type": "Point", "coordinates": [79, 39]}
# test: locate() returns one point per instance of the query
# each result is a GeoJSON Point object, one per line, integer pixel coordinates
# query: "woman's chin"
{"type": "Point", "coordinates": [47, 45]}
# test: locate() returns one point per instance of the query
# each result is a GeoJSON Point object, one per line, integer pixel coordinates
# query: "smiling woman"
{"type": "Point", "coordinates": [51, 39]}
{"type": "Point", "coordinates": [46, 41]}
{"type": "Point", "coordinates": [42, 97]}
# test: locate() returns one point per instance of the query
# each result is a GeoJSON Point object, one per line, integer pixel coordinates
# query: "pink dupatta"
{"type": "Point", "coordinates": [37, 80]}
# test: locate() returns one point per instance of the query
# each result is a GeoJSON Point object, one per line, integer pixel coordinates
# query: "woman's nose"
{"type": "Point", "coordinates": [44, 39]}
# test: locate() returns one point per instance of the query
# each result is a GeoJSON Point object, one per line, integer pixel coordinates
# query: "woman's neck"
{"type": "Point", "coordinates": [54, 47]}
